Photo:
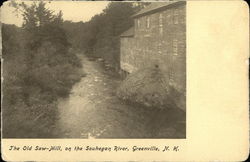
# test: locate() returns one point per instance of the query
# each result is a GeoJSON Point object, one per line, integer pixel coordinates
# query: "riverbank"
{"type": "Point", "coordinates": [93, 110]}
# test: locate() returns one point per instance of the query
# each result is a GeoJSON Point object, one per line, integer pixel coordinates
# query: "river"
{"type": "Point", "coordinates": [92, 110]}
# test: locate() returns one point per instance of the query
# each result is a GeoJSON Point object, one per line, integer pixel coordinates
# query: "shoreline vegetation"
{"type": "Point", "coordinates": [41, 65]}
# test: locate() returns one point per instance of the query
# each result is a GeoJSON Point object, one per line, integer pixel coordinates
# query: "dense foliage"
{"type": "Point", "coordinates": [38, 68]}
{"type": "Point", "coordinates": [40, 64]}
{"type": "Point", "coordinates": [100, 37]}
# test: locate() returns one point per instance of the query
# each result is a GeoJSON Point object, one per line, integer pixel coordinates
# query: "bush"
{"type": "Point", "coordinates": [36, 74]}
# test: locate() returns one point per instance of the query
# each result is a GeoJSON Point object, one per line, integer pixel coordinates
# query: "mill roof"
{"type": "Point", "coordinates": [128, 33]}
{"type": "Point", "coordinates": [155, 7]}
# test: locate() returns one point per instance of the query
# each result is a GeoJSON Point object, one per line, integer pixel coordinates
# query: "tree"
{"type": "Point", "coordinates": [39, 72]}
{"type": "Point", "coordinates": [106, 29]}
{"type": "Point", "coordinates": [100, 36]}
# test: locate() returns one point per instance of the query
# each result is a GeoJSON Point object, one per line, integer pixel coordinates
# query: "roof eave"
{"type": "Point", "coordinates": [159, 9]}
{"type": "Point", "coordinates": [128, 36]}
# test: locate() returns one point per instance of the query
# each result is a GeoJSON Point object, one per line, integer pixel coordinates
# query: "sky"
{"type": "Point", "coordinates": [72, 10]}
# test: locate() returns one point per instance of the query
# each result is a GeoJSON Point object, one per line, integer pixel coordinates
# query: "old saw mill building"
{"type": "Point", "coordinates": [158, 38]}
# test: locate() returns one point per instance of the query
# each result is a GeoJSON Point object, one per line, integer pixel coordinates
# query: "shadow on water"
{"type": "Point", "coordinates": [92, 110]}
{"type": "Point", "coordinates": [152, 122]}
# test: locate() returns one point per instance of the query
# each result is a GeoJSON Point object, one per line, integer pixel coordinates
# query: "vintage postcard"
{"type": "Point", "coordinates": [124, 81]}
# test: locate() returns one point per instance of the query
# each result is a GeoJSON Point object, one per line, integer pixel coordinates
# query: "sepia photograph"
{"type": "Point", "coordinates": [124, 80]}
{"type": "Point", "coordinates": [94, 69]}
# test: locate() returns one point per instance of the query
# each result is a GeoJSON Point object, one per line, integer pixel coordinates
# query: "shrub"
{"type": "Point", "coordinates": [36, 74]}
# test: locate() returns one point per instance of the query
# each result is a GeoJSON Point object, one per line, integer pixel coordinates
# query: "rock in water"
{"type": "Point", "coordinates": [150, 87]}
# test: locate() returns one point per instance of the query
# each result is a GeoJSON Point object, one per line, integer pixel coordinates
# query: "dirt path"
{"type": "Point", "coordinates": [93, 111]}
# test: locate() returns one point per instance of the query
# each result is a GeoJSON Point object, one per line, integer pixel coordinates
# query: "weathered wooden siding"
{"type": "Point", "coordinates": [159, 39]}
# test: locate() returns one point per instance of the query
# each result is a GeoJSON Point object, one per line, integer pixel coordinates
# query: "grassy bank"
{"type": "Point", "coordinates": [39, 67]}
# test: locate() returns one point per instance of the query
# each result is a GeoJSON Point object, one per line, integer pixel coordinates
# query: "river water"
{"type": "Point", "coordinates": [92, 110]}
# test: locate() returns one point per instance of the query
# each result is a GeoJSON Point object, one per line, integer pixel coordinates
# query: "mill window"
{"type": "Point", "coordinates": [176, 16]}
{"type": "Point", "coordinates": [138, 23]}
{"type": "Point", "coordinates": [169, 20]}
{"type": "Point", "coordinates": [148, 22]}
{"type": "Point", "coordinates": [175, 47]}
{"type": "Point", "coordinates": [183, 20]}
{"type": "Point", "coordinates": [161, 23]}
